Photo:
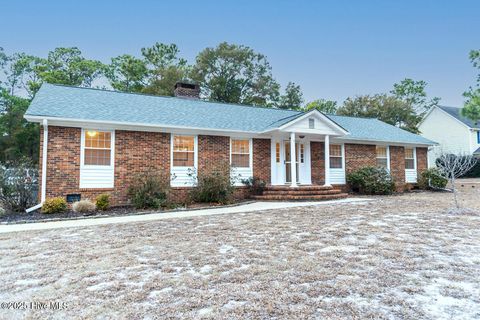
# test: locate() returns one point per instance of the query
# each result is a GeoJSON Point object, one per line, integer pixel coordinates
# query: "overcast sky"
{"type": "Point", "coordinates": [332, 49]}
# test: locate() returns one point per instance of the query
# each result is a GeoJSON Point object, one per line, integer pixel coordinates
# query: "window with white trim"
{"type": "Point", "coordinates": [97, 148]}
{"type": "Point", "coordinates": [302, 153]}
{"type": "Point", "coordinates": [183, 151]}
{"type": "Point", "coordinates": [240, 153]}
{"type": "Point", "coordinates": [409, 158]}
{"type": "Point", "coordinates": [336, 157]}
{"type": "Point", "coordinates": [382, 156]}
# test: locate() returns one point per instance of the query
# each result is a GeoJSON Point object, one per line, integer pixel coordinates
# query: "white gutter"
{"type": "Point", "coordinates": [44, 168]}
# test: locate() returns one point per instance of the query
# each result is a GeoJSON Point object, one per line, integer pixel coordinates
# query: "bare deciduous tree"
{"type": "Point", "coordinates": [452, 166]}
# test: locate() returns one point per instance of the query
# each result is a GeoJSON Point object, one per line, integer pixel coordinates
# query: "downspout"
{"type": "Point", "coordinates": [43, 188]}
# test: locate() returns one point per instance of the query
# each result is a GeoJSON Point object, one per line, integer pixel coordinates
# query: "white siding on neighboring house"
{"type": "Point", "coordinates": [97, 176]}
{"type": "Point", "coordinates": [452, 135]}
{"type": "Point", "coordinates": [474, 140]}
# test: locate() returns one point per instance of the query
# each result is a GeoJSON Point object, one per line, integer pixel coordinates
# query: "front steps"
{"type": "Point", "coordinates": [301, 193]}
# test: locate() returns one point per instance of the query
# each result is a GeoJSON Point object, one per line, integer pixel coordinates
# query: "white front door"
{"type": "Point", "coordinates": [288, 162]}
{"type": "Point", "coordinates": [282, 163]}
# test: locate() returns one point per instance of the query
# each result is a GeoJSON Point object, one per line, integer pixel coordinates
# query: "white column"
{"type": "Point", "coordinates": [293, 160]}
{"type": "Point", "coordinates": [327, 160]}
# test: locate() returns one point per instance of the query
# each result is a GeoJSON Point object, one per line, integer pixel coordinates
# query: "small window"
{"type": "Point", "coordinates": [98, 149]}
{"type": "Point", "coordinates": [336, 156]}
{"type": "Point", "coordinates": [409, 158]}
{"type": "Point", "coordinates": [382, 157]}
{"type": "Point", "coordinates": [240, 153]}
{"type": "Point", "coordinates": [302, 153]}
{"type": "Point", "coordinates": [277, 152]}
{"type": "Point", "coordinates": [183, 151]}
{"type": "Point", "coordinates": [311, 123]}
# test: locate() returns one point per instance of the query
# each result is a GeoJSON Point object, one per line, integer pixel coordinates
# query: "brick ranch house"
{"type": "Point", "coordinates": [94, 141]}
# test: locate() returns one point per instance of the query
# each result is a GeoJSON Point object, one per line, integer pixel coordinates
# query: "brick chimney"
{"type": "Point", "coordinates": [187, 89]}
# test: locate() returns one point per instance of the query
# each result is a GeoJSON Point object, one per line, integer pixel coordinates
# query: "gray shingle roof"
{"type": "Point", "coordinates": [376, 130]}
{"type": "Point", "coordinates": [456, 113]}
{"type": "Point", "coordinates": [103, 105]}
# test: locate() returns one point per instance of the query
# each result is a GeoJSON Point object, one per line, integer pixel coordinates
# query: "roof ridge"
{"type": "Point", "coordinates": [169, 97]}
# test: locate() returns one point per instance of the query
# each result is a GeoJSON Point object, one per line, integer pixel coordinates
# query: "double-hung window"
{"type": "Point", "coordinates": [240, 153]}
{"type": "Point", "coordinates": [336, 161]}
{"type": "Point", "coordinates": [183, 151]}
{"type": "Point", "coordinates": [97, 148]}
{"type": "Point", "coordinates": [409, 158]}
{"type": "Point", "coordinates": [382, 157]}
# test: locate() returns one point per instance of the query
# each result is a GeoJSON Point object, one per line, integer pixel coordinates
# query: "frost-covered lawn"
{"type": "Point", "coordinates": [400, 257]}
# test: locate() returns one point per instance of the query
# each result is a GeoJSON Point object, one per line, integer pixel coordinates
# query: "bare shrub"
{"type": "Point", "coordinates": [83, 206]}
{"type": "Point", "coordinates": [452, 166]}
{"type": "Point", "coordinates": [18, 185]}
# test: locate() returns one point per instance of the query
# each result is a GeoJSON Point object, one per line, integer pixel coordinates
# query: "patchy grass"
{"type": "Point", "coordinates": [400, 257]}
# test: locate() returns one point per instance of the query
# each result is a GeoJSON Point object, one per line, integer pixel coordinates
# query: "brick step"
{"type": "Point", "coordinates": [300, 197]}
{"type": "Point", "coordinates": [302, 188]}
{"type": "Point", "coordinates": [302, 192]}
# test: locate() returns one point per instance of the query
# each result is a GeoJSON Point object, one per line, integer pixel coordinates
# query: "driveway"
{"type": "Point", "coordinates": [399, 257]}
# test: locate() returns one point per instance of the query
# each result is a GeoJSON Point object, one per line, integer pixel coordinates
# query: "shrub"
{"type": "Point", "coordinates": [149, 190]}
{"type": "Point", "coordinates": [214, 185]}
{"type": "Point", "coordinates": [84, 206]}
{"type": "Point", "coordinates": [371, 180]}
{"type": "Point", "coordinates": [18, 185]}
{"type": "Point", "coordinates": [431, 179]}
{"type": "Point", "coordinates": [102, 202]}
{"type": "Point", "coordinates": [54, 205]}
{"type": "Point", "coordinates": [255, 185]}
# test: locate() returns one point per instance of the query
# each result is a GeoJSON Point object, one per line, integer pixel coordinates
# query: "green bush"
{"type": "Point", "coordinates": [102, 202]}
{"type": "Point", "coordinates": [431, 179]}
{"type": "Point", "coordinates": [149, 190]}
{"type": "Point", "coordinates": [214, 185]}
{"type": "Point", "coordinates": [255, 185]}
{"type": "Point", "coordinates": [54, 205]}
{"type": "Point", "coordinates": [371, 180]}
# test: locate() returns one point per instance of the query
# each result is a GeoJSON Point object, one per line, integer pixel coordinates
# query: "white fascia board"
{"type": "Point", "coordinates": [132, 126]}
{"type": "Point", "coordinates": [323, 117]}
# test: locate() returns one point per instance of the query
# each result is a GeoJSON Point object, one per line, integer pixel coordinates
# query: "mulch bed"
{"type": "Point", "coordinates": [37, 216]}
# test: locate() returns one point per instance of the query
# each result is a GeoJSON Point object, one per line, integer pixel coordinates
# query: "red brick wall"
{"type": "Point", "coordinates": [397, 166]}
{"type": "Point", "coordinates": [262, 159]}
{"type": "Point", "coordinates": [63, 165]}
{"type": "Point", "coordinates": [422, 164]}
{"type": "Point", "coordinates": [358, 156]}
{"type": "Point", "coordinates": [317, 155]}
{"type": "Point", "coordinates": [212, 150]}
{"type": "Point", "coordinates": [135, 152]}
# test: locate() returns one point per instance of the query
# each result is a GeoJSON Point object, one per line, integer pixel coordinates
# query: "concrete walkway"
{"type": "Point", "coordinates": [256, 206]}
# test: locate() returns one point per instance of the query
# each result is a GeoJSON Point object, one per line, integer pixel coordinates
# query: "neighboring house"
{"type": "Point", "coordinates": [96, 140]}
{"type": "Point", "coordinates": [453, 132]}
